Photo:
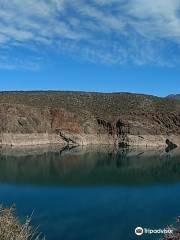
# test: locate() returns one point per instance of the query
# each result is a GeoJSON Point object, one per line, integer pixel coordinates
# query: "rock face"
{"type": "Point", "coordinates": [170, 145]}
{"type": "Point", "coordinates": [73, 122]}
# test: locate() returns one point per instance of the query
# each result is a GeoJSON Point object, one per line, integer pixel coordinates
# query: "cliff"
{"type": "Point", "coordinates": [31, 118]}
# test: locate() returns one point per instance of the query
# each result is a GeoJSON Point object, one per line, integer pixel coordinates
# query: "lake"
{"type": "Point", "coordinates": [92, 193]}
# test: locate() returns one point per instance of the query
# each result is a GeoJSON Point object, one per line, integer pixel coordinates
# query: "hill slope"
{"type": "Point", "coordinates": [105, 104]}
{"type": "Point", "coordinates": [83, 118]}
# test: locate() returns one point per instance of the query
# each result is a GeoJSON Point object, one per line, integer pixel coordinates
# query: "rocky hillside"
{"type": "Point", "coordinates": [77, 117]}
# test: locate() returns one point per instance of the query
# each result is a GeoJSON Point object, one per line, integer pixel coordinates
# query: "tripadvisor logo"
{"type": "Point", "coordinates": [139, 231]}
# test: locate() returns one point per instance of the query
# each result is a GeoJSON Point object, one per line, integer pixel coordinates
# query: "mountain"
{"type": "Point", "coordinates": [174, 96]}
{"type": "Point", "coordinates": [79, 118]}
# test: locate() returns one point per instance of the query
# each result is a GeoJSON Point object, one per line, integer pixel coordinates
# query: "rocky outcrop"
{"type": "Point", "coordinates": [170, 145]}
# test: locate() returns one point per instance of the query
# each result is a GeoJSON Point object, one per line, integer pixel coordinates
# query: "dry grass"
{"type": "Point", "coordinates": [12, 229]}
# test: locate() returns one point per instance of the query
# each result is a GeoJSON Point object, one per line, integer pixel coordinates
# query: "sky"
{"type": "Point", "coordinates": [90, 45]}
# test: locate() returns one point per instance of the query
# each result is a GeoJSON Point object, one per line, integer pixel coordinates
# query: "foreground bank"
{"type": "Point", "coordinates": [12, 228]}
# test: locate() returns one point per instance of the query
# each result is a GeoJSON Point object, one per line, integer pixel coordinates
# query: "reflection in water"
{"type": "Point", "coordinates": [89, 166]}
{"type": "Point", "coordinates": [121, 196]}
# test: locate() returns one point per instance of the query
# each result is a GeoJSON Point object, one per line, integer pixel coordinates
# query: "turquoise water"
{"type": "Point", "coordinates": [92, 193]}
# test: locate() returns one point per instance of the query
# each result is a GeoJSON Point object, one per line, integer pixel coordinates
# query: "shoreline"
{"type": "Point", "coordinates": [70, 139]}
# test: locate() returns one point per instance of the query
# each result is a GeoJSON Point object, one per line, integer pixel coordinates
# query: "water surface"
{"type": "Point", "coordinates": [93, 192]}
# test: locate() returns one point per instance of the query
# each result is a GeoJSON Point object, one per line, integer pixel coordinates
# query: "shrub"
{"type": "Point", "coordinates": [12, 229]}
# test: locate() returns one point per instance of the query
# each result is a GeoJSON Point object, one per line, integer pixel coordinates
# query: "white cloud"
{"type": "Point", "coordinates": [159, 18]}
{"type": "Point", "coordinates": [107, 31]}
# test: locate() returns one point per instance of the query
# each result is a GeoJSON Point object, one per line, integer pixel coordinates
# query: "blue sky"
{"type": "Point", "coordinates": [97, 45]}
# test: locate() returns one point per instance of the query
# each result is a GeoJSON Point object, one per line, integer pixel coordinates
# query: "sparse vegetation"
{"type": "Point", "coordinates": [12, 229]}
{"type": "Point", "coordinates": [100, 104]}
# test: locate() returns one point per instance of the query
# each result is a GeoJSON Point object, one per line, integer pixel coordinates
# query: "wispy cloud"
{"type": "Point", "coordinates": [103, 31]}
